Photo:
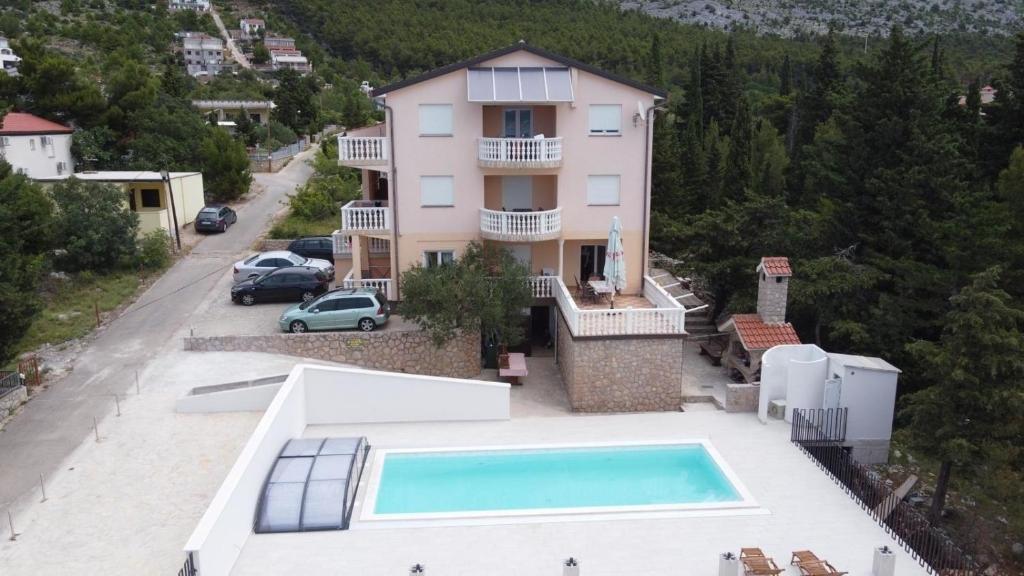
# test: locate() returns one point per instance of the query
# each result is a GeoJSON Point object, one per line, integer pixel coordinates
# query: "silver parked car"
{"type": "Point", "coordinates": [263, 262]}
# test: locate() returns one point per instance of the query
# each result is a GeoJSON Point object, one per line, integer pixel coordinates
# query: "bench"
{"type": "Point", "coordinates": [512, 366]}
{"type": "Point", "coordinates": [713, 349]}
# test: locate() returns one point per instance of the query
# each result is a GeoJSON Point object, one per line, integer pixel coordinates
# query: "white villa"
{"type": "Point", "coordinates": [35, 146]}
{"type": "Point", "coordinates": [8, 59]}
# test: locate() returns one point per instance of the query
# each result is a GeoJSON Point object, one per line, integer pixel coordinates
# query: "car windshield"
{"type": "Point", "coordinates": [296, 259]}
{"type": "Point", "coordinates": [209, 212]}
{"type": "Point", "coordinates": [250, 259]}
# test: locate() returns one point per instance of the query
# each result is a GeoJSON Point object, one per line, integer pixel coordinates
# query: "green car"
{"type": "Point", "coordinates": [362, 308]}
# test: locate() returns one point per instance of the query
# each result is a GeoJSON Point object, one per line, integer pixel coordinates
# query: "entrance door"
{"type": "Point", "coordinates": [592, 261]}
{"type": "Point", "coordinates": [517, 193]}
{"type": "Point", "coordinates": [518, 123]}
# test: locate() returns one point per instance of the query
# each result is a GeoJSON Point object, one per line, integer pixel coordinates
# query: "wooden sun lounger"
{"type": "Point", "coordinates": [820, 568]}
{"type": "Point", "coordinates": [751, 553]}
{"type": "Point", "coordinates": [760, 566]}
{"type": "Point", "coordinates": [804, 556]}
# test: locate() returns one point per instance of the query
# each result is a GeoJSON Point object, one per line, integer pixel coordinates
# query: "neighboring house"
{"type": "Point", "coordinates": [204, 55]}
{"type": "Point", "coordinates": [278, 43]}
{"type": "Point", "coordinates": [537, 152]}
{"type": "Point", "coordinates": [35, 146]}
{"type": "Point", "coordinates": [8, 59]}
{"type": "Point", "coordinates": [751, 335]}
{"type": "Point", "coordinates": [227, 110]}
{"type": "Point", "coordinates": [289, 60]}
{"type": "Point", "coordinates": [987, 95]}
{"type": "Point", "coordinates": [147, 194]}
{"type": "Point", "coordinates": [251, 27]}
{"type": "Point", "coordinates": [196, 5]}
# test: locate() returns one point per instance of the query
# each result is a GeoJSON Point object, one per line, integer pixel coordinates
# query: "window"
{"type": "Point", "coordinates": [31, 143]}
{"type": "Point", "coordinates": [605, 119]}
{"type": "Point", "coordinates": [437, 191]}
{"type": "Point", "coordinates": [150, 198]}
{"type": "Point", "coordinates": [435, 119]}
{"type": "Point", "coordinates": [603, 190]}
{"type": "Point", "coordinates": [435, 258]}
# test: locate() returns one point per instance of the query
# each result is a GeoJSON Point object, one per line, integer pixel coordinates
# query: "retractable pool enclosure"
{"type": "Point", "coordinates": [312, 485]}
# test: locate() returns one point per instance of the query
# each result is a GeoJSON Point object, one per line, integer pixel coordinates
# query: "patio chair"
{"type": "Point", "coordinates": [759, 565]}
{"type": "Point", "coordinates": [804, 557]}
{"type": "Point", "coordinates": [751, 553]}
{"type": "Point", "coordinates": [820, 568]}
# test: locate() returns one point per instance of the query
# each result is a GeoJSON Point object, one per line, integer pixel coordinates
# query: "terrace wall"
{"type": "Point", "coordinates": [409, 351]}
{"type": "Point", "coordinates": [616, 374]}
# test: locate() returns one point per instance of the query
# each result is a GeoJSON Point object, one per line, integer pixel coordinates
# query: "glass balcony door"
{"type": "Point", "coordinates": [518, 123]}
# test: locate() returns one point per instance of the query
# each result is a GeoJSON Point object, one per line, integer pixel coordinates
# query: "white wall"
{"type": "Point", "coordinates": [788, 369]}
{"type": "Point", "coordinates": [347, 395]}
{"type": "Point", "coordinates": [871, 397]}
{"type": "Point", "coordinates": [43, 160]}
{"type": "Point", "coordinates": [248, 399]}
{"type": "Point", "coordinates": [325, 395]}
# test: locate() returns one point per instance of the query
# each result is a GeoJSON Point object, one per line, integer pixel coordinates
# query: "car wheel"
{"type": "Point", "coordinates": [307, 296]}
{"type": "Point", "coordinates": [367, 325]}
{"type": "Point", "coordinates": [297, 327]}
{"type": "Point", "coordinates": [223, 227]}
{"type": "Point", "coordinates": [248, 299]}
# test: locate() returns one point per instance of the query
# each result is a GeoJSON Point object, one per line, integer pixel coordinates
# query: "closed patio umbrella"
{"type": "Point", "coordinates": [614, 260]}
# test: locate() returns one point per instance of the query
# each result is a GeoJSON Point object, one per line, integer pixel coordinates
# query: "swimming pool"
{"type": "Point", "coordinates": [551, 480]}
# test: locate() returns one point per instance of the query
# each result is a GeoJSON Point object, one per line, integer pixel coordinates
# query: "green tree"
{"type": "Point", "coordinates": [655, 71]}
{"type": "Point", "coordinates": [976, 370]}
{"type": "Point", "coordinates": [768, 160]}
{"type": "Point", "coordinates": [97, 231]}
{"type": "Point", "coordinates": [484, 290]}
{"type": "Point", "coordinates": [786, 77]}
{"type": "Point", "coordinates": [260, 54]}
{"type": "Point", "coordinates": [26, 234]}
{"type": "Point", "coordinates": [295, 97]}
{"type": "Point", "coordinates": [226, 171]}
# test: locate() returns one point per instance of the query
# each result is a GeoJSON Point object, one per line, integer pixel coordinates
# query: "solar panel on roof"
{"type": "Point", "coordinates": [514, 84]}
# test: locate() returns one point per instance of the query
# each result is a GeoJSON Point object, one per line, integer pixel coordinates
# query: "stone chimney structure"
{"type": "Point", "coordinates": [773, 288]}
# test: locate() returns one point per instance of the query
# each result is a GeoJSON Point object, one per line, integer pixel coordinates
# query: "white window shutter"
{"type": "Point", "coordinates": [436, 119]}
{"type": "Point", "coordinates": [603, 190]}
{"type": "Point", "coordinates": [437, 191]}
{"type": "Point", "coordinates": [605, 118]}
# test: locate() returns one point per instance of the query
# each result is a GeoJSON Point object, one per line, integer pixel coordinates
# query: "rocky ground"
{"type": "Point", "coordinates": [857, 18]}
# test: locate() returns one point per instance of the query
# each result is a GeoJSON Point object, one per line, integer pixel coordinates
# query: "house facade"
{"type": "Point", "coordinates": [157, 201]}
{"type": "Point", "coordinates": [281, 59]}
{"type": "Point", "coordinates": [536, 152]}
{"type": "Point", "coordinates": [194, 5]}
{"type": "Point", "coordinates": [8, 59]}
{"type": "Point", "coordinates": [204, 55]}
{"type": "Point", "coordinates": [251, 27]}
{"type": "Point", "coordinates": [35, 146]}
{"type": "Point", "coordinates": [258, 111]}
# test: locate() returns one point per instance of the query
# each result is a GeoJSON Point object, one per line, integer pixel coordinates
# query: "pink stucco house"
{"type": "Point", "coordinates": [519, 146]}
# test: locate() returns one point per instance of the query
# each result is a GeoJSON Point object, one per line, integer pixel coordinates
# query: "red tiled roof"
{"type": "Point", "coordinates": [756, 335]}
{"type": "Point", "coordinates": [23, 123]}
{"type": "Point", "coordinates": [776, 266]}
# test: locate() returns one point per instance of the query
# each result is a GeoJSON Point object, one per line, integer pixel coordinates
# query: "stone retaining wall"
{"type": "Point", "coordinates": [620, 374]}
{"type": "Point", "coordinates": [270, 244]}
{"type": "Point", "coordinates": [742, 397]}
{"type": "Point", "coordinates": [409, 351]}
{"type": "Point", "coordinates": [10, 401]}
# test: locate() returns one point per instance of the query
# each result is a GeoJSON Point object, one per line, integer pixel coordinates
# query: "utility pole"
{"type": "Point", "coordinates": [166, 177]}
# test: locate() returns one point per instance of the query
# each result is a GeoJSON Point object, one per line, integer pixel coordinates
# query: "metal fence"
{"type": "Point", "coordinates": [189, 568]}
{"type": "Point", "coordinates": [820, 434]}
{"type": "Point", "coordinates": [9, 382]}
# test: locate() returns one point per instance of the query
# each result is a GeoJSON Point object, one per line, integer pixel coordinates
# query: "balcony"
{"type": "Point", "coordinates": [382, 284]}
{"type": "Point", "coordinates": [370, 216]}
{"type": "Point", "coordinates": [363, 152]}
{"type": "Point", "coordinates": [542, 286]}
{"type": "Point", "coordinates": [660, 314]}
{"type": "Point", "coordinates": [520, 226]}
{"type": "Point", "coordinates": [519, 152]}
{"type": "Point", "coordinates": [343, 245]}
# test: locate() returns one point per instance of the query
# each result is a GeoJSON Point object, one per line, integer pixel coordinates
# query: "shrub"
{"type": "Point", "coordinates": [225, 166]}
{"type": "Point", "coordinates": [154, 251]}
{"type": "Point", "coordinates": [96, 229]}
{"type": "Point", "coordinates": [312, 203]}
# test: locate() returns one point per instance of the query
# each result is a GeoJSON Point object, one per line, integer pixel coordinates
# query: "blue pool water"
{"type": "Point", "coordinates": [433, 482]}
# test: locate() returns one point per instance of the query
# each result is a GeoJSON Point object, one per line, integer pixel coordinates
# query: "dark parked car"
{"type": "Point", "coordinates": [290, 284]}
{"type": "Point", "coordinates": [314, 247]}
{"type": "Point", "coordinates": [215, 219]}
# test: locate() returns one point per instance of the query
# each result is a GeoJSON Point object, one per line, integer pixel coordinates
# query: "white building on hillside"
{"type": "Point", "coordinates": [290, 59]}
{"type": "Point", "coordinates": [35, 146]}
{"type": "Point", "coordinates": [197, 5]}
{"type": "Point", "coordinates": [8, 59]}
{"type": "Point", "coordinates": [203, 55]}
{"type": "Point", "coordinates": [251, 27]}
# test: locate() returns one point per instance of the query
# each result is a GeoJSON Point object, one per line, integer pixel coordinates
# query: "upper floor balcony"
{"type": "Point", "coordinates": [370, 216]}
{"type": "Point", "coordinates": [520, 226]}
{"type": "Point", "coordinates": [524, 153]}
{"type": "Point", "coordinates": [364, 151]}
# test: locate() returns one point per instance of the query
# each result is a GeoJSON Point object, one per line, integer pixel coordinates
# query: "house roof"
{"type": "Point", "coordinates": [864, 362]}
{"type": "Point", "coordinates": [775, 266]}
{"type": "Point", "coordinates": [23, 124]}
{"type": "Point", "coordinates": [118, 176]}
{"type": "Point", "coordinates": [756, 335]}
{"type": "Point", "coordinates": [521, 45]}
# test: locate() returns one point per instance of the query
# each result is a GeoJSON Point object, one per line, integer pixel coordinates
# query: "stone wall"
{"type": "Point", "coordinates": [742, 397]}
{"type": "Point", "coordinates": [620, 374]}
{"type": "Point", "coordinates": [772, 292]}
{"type": "Point", "coordinates": [10, 401]}
{"type": "Point", "coordinates": [409, 351]}
{"type": "Point", "coordinates": [269, 244]}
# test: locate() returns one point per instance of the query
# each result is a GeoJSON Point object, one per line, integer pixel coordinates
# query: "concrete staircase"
{"type": "Point", "coordinates": [698, 324]}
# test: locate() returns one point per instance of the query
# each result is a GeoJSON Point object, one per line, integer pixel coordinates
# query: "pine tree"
{"type": "Point", "coordinates": [713, 148]}
{"type": "Point", "coordinates": [655, 73]}
{"type": "Point", "coordinates": [738, 172]}
{"type": "Point", "coordinates": [786, 77]}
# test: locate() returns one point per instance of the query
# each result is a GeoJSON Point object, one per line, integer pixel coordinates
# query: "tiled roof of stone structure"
{"type": "Point", "coordinates": [756, 335]}
{"type": "Point", "coordinates": [776, 266]}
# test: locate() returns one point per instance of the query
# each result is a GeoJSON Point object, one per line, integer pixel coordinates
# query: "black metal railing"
{"type": "Point", "coordinates": [189, 569]}
{"type": "Point", "coordinates": [820, 434]}
{"type": "Point", "coordinates": [9, 381]}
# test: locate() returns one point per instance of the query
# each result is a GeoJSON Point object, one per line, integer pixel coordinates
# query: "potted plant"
{"type": "Point", "coordinates": [884, 562]}
{"type": "Point", "coordinates": [571, 567]}
{"type": "Point", "coordinates": [728, 564]}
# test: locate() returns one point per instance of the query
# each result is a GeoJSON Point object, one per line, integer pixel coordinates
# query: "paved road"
{"type": "Point", "coordinates": [56, 421]}
{"type": "Point", "coordinates": [235, 52]}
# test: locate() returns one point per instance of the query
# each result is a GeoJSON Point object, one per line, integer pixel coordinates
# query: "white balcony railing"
{"type": "Point", "coordinates": [520, 152]}
{"type": "Point", "coordinates": [382, 284]}
{"type": "Point", "coordinates": [520, 226]}
{"type": "Point", "coordinates": [362, 151]}
{"type": "Point", "coordinates": [668, 318]}
{"type": "Point", "coordinates": [367, 215]}
{"type": "Point", "coordinates": [343, 244]}
{"type": "Point", "coordinates": [542, 286]}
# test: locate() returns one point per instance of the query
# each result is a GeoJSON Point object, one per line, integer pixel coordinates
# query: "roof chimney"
{"type": "Point", "coordinates": [773, 289]}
